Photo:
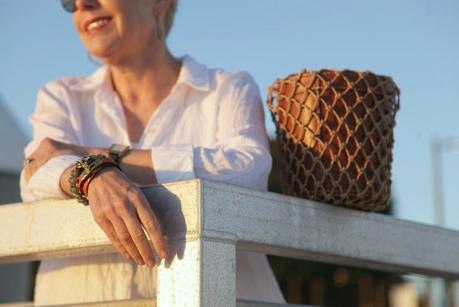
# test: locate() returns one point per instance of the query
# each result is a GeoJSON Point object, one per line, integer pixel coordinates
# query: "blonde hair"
{"type": "Point", "coordinates": [170, 16]}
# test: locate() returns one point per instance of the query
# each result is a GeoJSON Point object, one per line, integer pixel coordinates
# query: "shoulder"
{"type": "Point", "coordinates": [239, 85]}
{"type": "Point", "coordinates": [55, 94]}
{"type": "Point", "coordinates": [235, 90]}
{"type": "Point", "coordinates": [202, 78]}
{"type": "Point", "coordinates": [233, 80]}
{"type": "Point", "coordinates": [65, 84]}
{"type": "Point", "coordinates": [75, 84]}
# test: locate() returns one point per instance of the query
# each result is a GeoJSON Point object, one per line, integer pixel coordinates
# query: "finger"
{"type": "Point", "coordinates": [151, 224]}
{"type": "Point", "coordinates": [111, 211]}
{"type": "Point", "coordinates": [27, 173]}
{"type": "Point", "coordinates": [108, 229]}
{"type": "Point", "coordinates": [126, 239]}
{"type": "Point", "coordinates": [138, 236]}
{"type": "Point", "coordinates": [33, 168]}
{"type": "Point", "coordinates": [29, 168]}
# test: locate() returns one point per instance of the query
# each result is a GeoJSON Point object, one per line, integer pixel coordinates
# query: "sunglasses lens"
{"type": "Point", "coordinates": [69, 5]}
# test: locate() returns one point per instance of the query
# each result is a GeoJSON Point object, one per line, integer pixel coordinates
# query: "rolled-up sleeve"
{"type": "Point", "coordinates": [241, 155]}
{"type": "Point", "coordinates": [173, 162]}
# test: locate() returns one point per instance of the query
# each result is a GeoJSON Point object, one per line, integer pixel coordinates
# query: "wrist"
{"type": "Point", "coordinates": [117, 152]}
{"type": "Point", "coordinates": [83, 172]}
{"type": "Point", "coordinates": [64, 181]}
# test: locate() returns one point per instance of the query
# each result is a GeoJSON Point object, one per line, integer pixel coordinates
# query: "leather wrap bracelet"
{"type": "Point", "coordinates": [86, 169]}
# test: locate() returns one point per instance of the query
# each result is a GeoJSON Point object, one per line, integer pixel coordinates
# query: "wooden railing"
{"type": "Point", "coordinates": [206, 221]}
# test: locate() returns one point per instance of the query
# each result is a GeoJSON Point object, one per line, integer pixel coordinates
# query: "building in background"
{"type": "Point", "coordinates": [12, 143]}
{"type": "Point", "coordinates": [15, 279]}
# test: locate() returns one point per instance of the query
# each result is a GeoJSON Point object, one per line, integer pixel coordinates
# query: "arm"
{"type": "Point", "coordinates": [136, 165]}
{"type": "Point", "coordinates": [240, 155]}
{"type": "Point", "coordinates": [117, 205]}
{"type": "Point", "coordinates": [54, 149]}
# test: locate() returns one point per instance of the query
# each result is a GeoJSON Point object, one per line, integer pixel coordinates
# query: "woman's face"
{"type": "Point", "coordinates": [116, 29]}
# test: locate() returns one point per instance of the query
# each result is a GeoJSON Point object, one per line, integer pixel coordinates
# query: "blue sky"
{"type": "Point", "coordinates": [414, 41]}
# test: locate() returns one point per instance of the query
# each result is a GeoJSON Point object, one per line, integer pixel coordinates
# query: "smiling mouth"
{"type": "Point", "coordinates": [97, 24]}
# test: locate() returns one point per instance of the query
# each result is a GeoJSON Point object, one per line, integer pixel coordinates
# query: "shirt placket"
{"type": "Point", "coordinates": [160, 118]}
{"type": "Point", "coordinates": [111, 104]}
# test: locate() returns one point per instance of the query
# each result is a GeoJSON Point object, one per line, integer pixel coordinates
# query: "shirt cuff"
{"type": "Point", "coordinates": [45, 183]}
{"type": "Point", "coordinates": [173, 162]}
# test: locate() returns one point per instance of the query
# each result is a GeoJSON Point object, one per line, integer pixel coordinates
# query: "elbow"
{"type": "Point", "coordinates": [26, 193]}
{"type": "Point", "coordinates": [253, 172]}
{"type": "Point", "coordinates": [261, 170]}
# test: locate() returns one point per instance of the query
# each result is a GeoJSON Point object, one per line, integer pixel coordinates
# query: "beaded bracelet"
{"type": "Point", "coordinates": [76, 193]}
{"type": "Point", "coordinates": [85, 170]}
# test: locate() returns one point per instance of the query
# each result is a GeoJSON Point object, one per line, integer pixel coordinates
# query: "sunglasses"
{"type": "Point", "coordinates": [69, 5]}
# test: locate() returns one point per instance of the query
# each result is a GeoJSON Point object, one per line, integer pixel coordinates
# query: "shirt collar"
{"type": "Point", "coordinates": [194, 74]}
{"type": "Point", "coordinates": [191, 73]}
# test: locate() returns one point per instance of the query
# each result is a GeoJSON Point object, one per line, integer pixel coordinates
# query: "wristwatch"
{"type": "Point", "coordinates": [116, 152]}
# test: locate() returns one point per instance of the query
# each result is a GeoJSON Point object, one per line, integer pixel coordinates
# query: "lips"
{"type": "Point", "coordinates": [95, 24]}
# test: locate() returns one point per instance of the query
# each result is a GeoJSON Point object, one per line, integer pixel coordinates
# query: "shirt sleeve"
{"type": "Point", "coordinates": [241, 155]}
{"type": "Point", "coordinates": [45, 183]}
{"type": "Point", "coordinates": [50, 119]}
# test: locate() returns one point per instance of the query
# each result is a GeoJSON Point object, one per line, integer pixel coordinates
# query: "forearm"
{"type": "Point", "coordinates": [45, 182]}
{"type": "Point", "coordinates": [136, 165]}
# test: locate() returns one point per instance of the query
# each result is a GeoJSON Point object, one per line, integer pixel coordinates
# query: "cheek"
{"type": "Point", "coordinates": [140, 19]}
{"type": "Point", "coordinates": [136, 31]}
{"type": "Point", "coordinates": [76, 22]}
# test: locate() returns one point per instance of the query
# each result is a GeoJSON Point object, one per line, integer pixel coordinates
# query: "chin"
{"type": "Point", "coordinates": [110, 59]}
{"type": "Point", "coordinates": [104, 54]}
{"type": "Point", "coordinates": [100, 43]}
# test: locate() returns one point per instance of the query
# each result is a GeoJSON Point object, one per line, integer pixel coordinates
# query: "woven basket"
{"type": "Point", "coordinates": [335, 135]}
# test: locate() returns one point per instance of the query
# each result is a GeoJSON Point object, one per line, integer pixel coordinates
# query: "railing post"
{"type": "Point", "coordinates": [205, 275]}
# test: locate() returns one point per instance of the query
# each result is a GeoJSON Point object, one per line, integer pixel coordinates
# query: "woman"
{"type": "Point", "coordinates": [176, 120]}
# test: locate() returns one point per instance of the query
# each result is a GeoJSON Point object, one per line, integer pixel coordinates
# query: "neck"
{"type": "Point", "coordinates": [146, 79]}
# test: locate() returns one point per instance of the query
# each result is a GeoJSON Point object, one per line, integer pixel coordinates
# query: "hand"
{"type": "Point", "coordinates": [47, 150]}
{"type": "Point", "coordinates": [121, 209]}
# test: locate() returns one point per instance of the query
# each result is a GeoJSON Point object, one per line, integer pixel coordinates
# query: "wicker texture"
{"type": "Point", "coordinates": [335, 135]}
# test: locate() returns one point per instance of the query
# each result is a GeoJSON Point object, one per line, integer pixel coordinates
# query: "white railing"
{"type": "Point", "coordinates": [206, 221]}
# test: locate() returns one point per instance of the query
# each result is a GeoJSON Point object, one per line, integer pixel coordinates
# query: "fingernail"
{"type": "Point", "coordinates": [151, 263]}
{"type": "Point", "coordinates": [140, 261]}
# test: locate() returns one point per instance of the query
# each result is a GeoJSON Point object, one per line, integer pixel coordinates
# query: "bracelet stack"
{"type": "Point", "coordinates": [86, 169]}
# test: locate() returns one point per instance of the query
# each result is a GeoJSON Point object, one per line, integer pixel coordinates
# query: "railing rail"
{"type": "Point", "coordinates": [206, 221]}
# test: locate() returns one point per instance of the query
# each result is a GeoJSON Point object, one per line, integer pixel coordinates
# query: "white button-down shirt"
{"type": "Point", "coordinates": [211, 126]}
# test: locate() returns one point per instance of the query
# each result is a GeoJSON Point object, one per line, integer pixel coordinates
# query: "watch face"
{"type": "Point", "coordinates": [118, 148]}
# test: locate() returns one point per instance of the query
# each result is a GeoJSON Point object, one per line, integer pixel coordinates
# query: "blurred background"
{"type": "Point", "coordinates": [414, 41]}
